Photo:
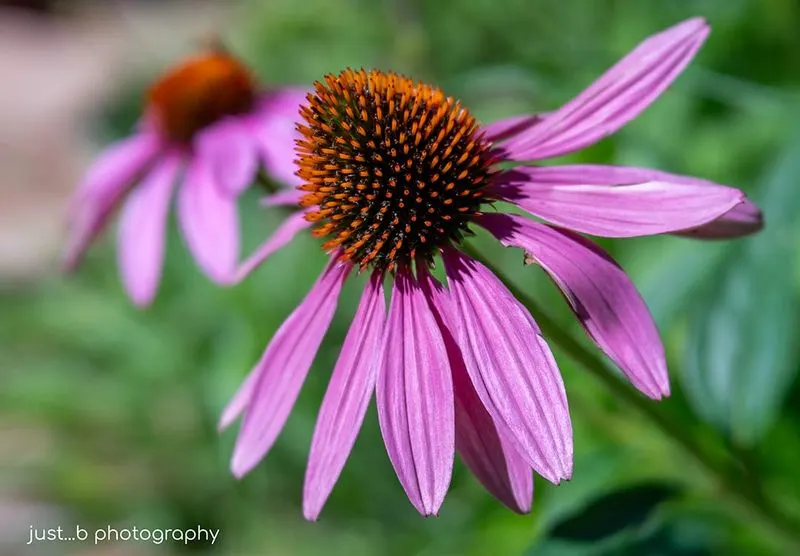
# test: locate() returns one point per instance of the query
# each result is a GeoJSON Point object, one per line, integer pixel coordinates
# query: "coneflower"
{"type": "Point", "coordinates": [208, 118]}
{"type": "Point", "coordinates": [395, 173]}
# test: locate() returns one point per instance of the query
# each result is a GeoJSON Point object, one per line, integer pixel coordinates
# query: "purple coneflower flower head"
{"type": "Point", "coordinates": [204, 119]}
{"type": "Point", "coordinates": [395, 173]}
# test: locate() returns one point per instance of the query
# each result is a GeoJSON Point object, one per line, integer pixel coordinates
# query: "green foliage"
{"type": "Point", "coordinates": [742, 358]}
{"type": "Point", "coordinates": [634, 520]}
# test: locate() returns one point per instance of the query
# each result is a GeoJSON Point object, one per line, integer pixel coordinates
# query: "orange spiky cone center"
{"type": "Point", "coordinates": [393, 168]}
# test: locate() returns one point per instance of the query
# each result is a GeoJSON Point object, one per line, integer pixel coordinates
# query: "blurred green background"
{"type": "Point", "coordinates": [108, 414]}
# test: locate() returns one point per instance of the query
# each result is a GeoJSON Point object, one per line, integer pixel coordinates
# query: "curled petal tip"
{"type": "Point", "coordinates": [758, 223]}
{"type": "Point", "coordinates": [744, 219]}
{"type": "Point", "coordinates": [747, 217]}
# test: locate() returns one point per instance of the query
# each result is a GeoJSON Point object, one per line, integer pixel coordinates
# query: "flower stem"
{"type": "Point", "coordinates": [745, 488]}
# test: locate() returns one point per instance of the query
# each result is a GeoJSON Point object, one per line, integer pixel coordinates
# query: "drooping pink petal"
{"type": "Point", "coordinates": [615, 201]}
{"type": "Point", "coordinates": [209, 220]}
{"type": "Point", "coordinates": [115, 171]}
{"type": "Point", "coordinates": [289, 197]}
{"type": "Point", "coordinates": [617, 97]}
{"type": "Point", "coordinates": [347, 398]}
{"type": "Point", "coordinates": [511, 366]}
{"type": "Point", "coordinates": [599, 292]}
{"type": "Point", "coordinates": [283, 368]}
{"type": "Point", "coordinates": [743, 219]}
{"type": "Point", "coordinates": [509, 128]}
{"type": "Point", "coordinates": [279, 238]}
{"type": "Point", "coordinates": [230, 152]}
{"type": "Point", "coordinates": [415, 397]}
{"type": "Point", "coordinates": [142, 230]}
{"type": "Point", "coordinates": [278, 114]}
{"type": "Point", "coordinates": [489, 455]}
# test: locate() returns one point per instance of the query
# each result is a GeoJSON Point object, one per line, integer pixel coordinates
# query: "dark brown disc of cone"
{"type": "Point", "coordinates": [395, 168]}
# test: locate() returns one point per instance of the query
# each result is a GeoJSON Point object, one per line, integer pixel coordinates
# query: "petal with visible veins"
{"type": "Point", "coordinates": [599, 292]}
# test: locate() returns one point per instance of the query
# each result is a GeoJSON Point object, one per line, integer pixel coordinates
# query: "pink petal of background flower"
{"type": "Point", "coordinates": [209, 220]}
{"type": "Point", "coordinates": [109, 178]}
{"type": "Point", "coordinates": [230, 151]}
{"type": "Point", "coordinates": [276, 132]}
{"type": "Point", "coordinates": [142, 231]}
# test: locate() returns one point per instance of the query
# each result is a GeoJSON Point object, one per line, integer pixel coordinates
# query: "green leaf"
{"type": "Point", "coordinates": [620, 521]}
{"type": "Point", "coordinates": [740, 358]}
{"type": "Point", "coordinates": [613, 513]}
{"type": "Point", "coordinates": [674, 278]}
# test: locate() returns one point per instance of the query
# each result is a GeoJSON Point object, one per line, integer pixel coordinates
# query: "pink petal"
{"type": "Point", "coordinates": [511, 366]}
{"type": "Point", "coordinates": [620, 95]}
{"type": "Point", "coordinates": [488, 454]}
{"type": "Point", "coordinates": [509, 128]}
{"type": "Point", "coordinates": [209, 220]}
{"type": "Point", "coordinates": [283, 198]}
{"type": "Point", "coordinates": [109, 178]}
{"type": "Point", "coordinates": [615, 201]}
{"type": "Point", "coordinates": [293, 223]}
{"type": "Point", "coordinates": [239, 401]}
{"type": "Point", "coordinates": [599, 292]}
{"type": "Point", "coordinates": [743, 219]}
{"type": "Point", "coordinates": [142, 231]}
{"type": "Point", "coordinates": [229, 150]}
{"type": "Point", "coordinates": [415, 397]}
{"type": "Point", "coordinates": [347, 398]}
{"type": "Point", "coordinates": [283, 368]}
{"type": "Point", "coordinates": [278, 116]}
